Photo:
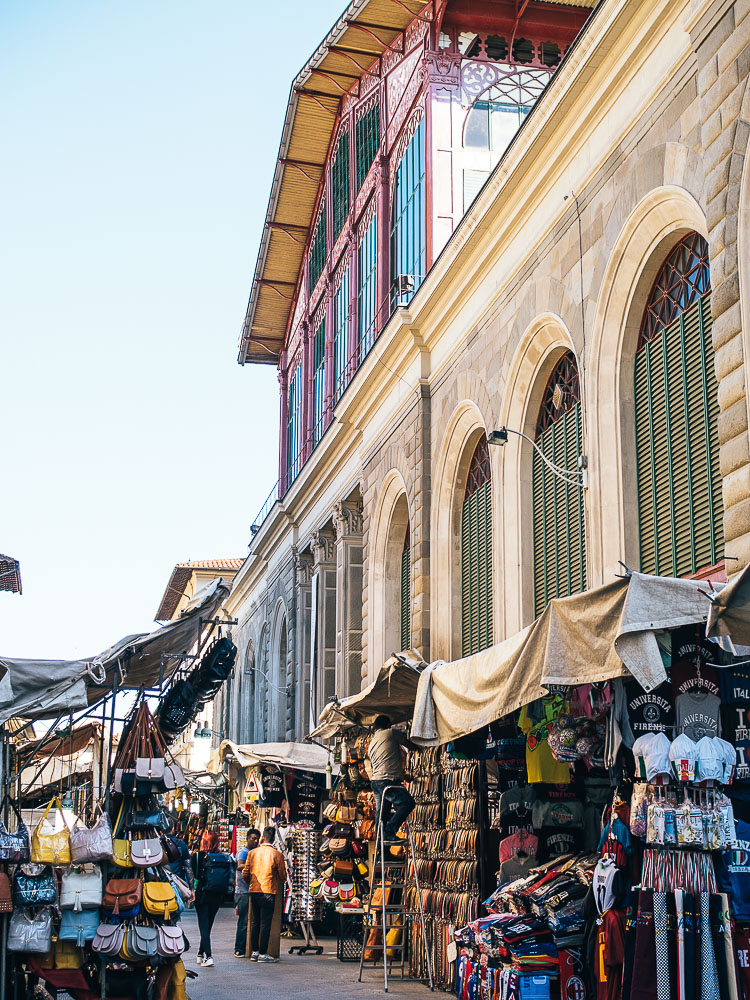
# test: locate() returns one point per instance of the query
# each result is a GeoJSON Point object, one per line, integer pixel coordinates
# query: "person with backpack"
{"type": "Point", "coordinates": [265, 874]}
{"type": "Point", "coordinates": [214, 877]}
{"type": "Point", "coordinates": [242, 894]}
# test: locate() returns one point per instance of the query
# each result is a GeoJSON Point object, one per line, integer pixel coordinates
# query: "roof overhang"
{"type": "Point", "coordinates": [350, 51]}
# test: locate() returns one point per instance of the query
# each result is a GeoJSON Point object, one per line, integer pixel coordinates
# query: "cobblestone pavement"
{"type": "Point", "coordinates": [311, 976]}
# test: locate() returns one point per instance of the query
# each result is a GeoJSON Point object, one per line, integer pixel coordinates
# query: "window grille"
{"type": "Point", "coordinates": [367, 292]}
{"type": "Point", "coordinates": [319, 381]}
{"type": "Point", "coordinates": [340, 184]}
{"type": "Point", "coordinates": [476, 554]}
{"type": "Point", "coordinates": [367, 137]}
{"type": "Point", "coordinates": [558, 511]}
{"type": "Point", "coordinates": [318, 249]}
{"type": "Point", "coordinates": [676, 414]}
{"type": "Point", "coordinates": [408, 219]}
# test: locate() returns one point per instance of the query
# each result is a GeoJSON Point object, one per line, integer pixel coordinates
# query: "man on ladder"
{"type": "Point", "coordinates": [388, 772]}
{"type": "Point", "coordinates": [389, 871]}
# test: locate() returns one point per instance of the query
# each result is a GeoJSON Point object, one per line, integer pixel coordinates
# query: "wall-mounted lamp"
{"type": "Point", "coordinates": [206, 733]}
{"type": "Point", "coordinates": [573, 477]}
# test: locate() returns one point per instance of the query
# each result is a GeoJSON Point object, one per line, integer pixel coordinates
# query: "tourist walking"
{"type": "Point", "coordinates": [265, 874]}
{"type": "Point", "coordinates": [214, 878]}
{"type": "Point", "coordinates": [242, 892]}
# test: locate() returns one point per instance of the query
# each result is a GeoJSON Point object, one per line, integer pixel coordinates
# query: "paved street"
{"type": "Point", "coordinates": [310, 976]}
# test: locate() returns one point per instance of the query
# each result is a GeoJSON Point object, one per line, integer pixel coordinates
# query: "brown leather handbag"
{"type": "Point", "coordinates": [122, 896]}
{"type": "Point", "coordinates": [6, 899]}
{"type": "Point", "coordinates": [343, 867]}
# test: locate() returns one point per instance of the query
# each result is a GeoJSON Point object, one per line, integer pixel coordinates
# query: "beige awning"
{"type": "Point", "coordinates": [594, 636]}
{"type": "Point", "coordinates": [392, 693]}
{"type": "Point", "coordinates": [300, 756]}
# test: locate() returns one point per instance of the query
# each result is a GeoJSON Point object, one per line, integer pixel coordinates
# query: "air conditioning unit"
{"type": "Point", "coordinates": [404, 285]}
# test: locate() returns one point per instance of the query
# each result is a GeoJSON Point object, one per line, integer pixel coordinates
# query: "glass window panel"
{"type": "Point", "coordinates": [319, 381]}
{"type": "Point", "coordinates": [341, 336]}
{"type": "Point", "coordinates": [408, 221]}
{"type": "Point", "coordinates": [368, 288]}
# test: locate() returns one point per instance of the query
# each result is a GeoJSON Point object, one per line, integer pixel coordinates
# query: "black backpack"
{"type": "Point", "coordinates": [218, 873]}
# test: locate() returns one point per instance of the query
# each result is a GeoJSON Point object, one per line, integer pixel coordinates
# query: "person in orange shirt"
{"type": "Point", "coordinates": [265, 874]}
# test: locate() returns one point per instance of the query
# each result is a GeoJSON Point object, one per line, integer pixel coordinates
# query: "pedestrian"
{"type": "Point", "coordinates": [265, 874]}
{"type": "Point", "coordinates": [242, 893]}
{"type": "Point", "coordinates": [384, 751]}
{"type": "Point", "coordinates": [214, 877]}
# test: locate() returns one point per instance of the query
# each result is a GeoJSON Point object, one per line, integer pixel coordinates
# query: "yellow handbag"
{"type": "Point", "coordinates": [68, 955]}
{"type": "Point", "coordinates": [159, 899]}
{"type": "Point", "coordinates": [393, 938]}
{"type": "Point", "coordinates": [120, 846]}
{"type": "Point", "coordinates": [48, 845]}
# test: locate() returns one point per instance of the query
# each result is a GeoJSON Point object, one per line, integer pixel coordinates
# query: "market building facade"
{"type": "Point", "coordinates": [486, 215]}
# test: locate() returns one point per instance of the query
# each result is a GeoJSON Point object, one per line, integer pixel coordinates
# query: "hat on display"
{"type": "Point", "coordinates": [682, 756]}
{"type": "Point", "coordinates": [710, 760]}
{"type": "Point", "coordinates": [651, 753]}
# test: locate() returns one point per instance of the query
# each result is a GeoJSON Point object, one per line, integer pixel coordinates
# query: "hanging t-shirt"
{"type": "Point", "coordinates": [738, 871]}
{"type": "Point", "coordinates": [697, 713]}
{"type": "Point", "coordinates": [735, 727]}
{"type": "Point", "coordinates": [650, 711]}
{"type": "Point", "coordinates": [693, 659]}
{"type": "Point", "coordinates": [735, 684]}
{"type": "Point", "coordinates": [563, 814]}
{"type": "Point", "coordinates": [272, 789]}
{"type": "Point", "coordinates": [535, 721]}
{"type": "Point", "coordinates": [742, 939]}
{"type": "Point", "coordinates": [515, 868]}
{"type": "Point", "coordinates": [515, 809]}
{"type": "Point", "coordinates": [304, 801]}
{"type": "Point", "coordinates": [554, 841]}
{"type": "Point", "coordinates": [610, 955]}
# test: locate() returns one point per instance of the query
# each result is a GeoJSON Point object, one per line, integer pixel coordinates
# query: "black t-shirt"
{"type": "Point", "coordinates": [650, 711]}
{"type": "Point", "coordinates": [304, 801]}
{"type": "Point", "coordinates": [554, 841]}
{"type": "Point", "coordinates": [735, 728]}
{"type": "Point", "coordinates": [272, 789]}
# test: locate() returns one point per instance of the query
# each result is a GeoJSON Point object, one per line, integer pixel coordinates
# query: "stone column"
{"type": "Point", "coordinates": [420, 529]}
{"type": "Point", "coordinates": [721, 39]}
{"type": "Point", "coordinates": [324, 565]}
{"type": "Point", "coordinates": [303, 572]}
{"type": "Point", "coordinates": [348, 519]}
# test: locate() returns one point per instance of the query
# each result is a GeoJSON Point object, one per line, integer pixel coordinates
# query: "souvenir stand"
{"type": "Point", "coordinates": [88, 905]}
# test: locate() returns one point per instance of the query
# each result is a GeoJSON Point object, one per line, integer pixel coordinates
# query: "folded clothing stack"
{"type": "Point", "coordinates": [524, 943]}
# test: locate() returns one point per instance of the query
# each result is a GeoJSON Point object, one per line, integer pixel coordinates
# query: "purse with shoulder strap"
{"type": "Point", "coordinates": [122, 897]}
{"type": "Point", "coordinates": [146, 853]}
{"type": "Point", "coordinates": [14, 847]}
{"type": "Point", "coordinates": [81, 888]}
{"type": "Point", "coordinates": [93, 844]}
{"type": "Point", "coordinates": [30, 933]}
{"type": "Point", "coordinates": [108, 939]}
{"type": "Point", "coordinates": [50, 845]}
{"type": "Point", "coordinates": [159, 899]}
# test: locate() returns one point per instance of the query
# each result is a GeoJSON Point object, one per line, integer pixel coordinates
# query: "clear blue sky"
{"type": "Point", "coordinates": [138, 148]}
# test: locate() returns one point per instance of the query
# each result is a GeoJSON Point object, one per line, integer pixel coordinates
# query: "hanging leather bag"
{"type": "Point", "coordinates": [68, 955]}
{"type": "Point", "coordinates": [141, 942]}
{"type": "Point", "coordinates": [343, 868]}
{"type": "Point", "coordinates": [14, 847]}
{"type": "Point", "coordinates": [93, 844]}
{"type": "Point", "coordinates": [180, 886]}
{"type": "Point", "coordinates": [81, 889]}
{"type": "Point", "coordinates": [120, 844]}
{"type": "Point", "coordinates": [170, 941]}
{"type": "Point", "coordinates": [6, 898]}
{"type": "Point", "coordinates": [50, 843]}
{"type": "Point", "coordinates": [173, 777]}
{"type": "Point", "coordinates": [151, 769]}
{"type": "Point", "coordinates": [159, 899]}
{"type": "Point", "coordinates": [30, 933]}
{"type": "Point", "coordinates": [108, 939]}
{"type": "Point", "coordinates": [34, 890]}
{"type": "Point", "coordinates": [79, 927]}
{"type": "Point", "coordinates": [122, 897]}
{"type": "Point", "coordinates": [146, 853]}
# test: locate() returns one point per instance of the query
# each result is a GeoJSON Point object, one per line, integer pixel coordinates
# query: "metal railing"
{"type": "Point", "coordinates": [265, 510]}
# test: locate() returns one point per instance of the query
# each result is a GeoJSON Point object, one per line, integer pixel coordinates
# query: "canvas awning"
{"type": "Point", "coordinates": [299, 756]}
{"type": "Point", "coordinates": [594, 636]}
{"type": "Point", "coordinates": [392, 693]}
{"type": "Point", "coordinates": [43, 689]}
{"type": "Point", "coordinates": [63, 743]}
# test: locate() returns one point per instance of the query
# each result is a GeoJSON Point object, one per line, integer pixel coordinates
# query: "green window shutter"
{"type": "Point", "coordinates": [559, 524]}
{"type": "Point", "coordinates": [677, 448]}
{"type": "Point", "coordinates": [340, 184]}
{"type": "Point", "coordinates": [406, 598]}
{"type": "Point", "coordinates": [476, 571]}
{"type": "Point", "coordinates": [318, 249]}
{"type": "Point", "coordinates": [367, 138]}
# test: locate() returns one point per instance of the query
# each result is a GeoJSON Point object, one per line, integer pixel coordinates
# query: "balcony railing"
{"type": "Point", "coordinates": [265, 510]}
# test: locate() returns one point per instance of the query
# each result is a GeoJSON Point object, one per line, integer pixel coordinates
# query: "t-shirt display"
{"type": "Point", "coordinates": [535, 721]}
{"type": "Point", "coordinates": [304, 800]}
{"type": "Point", "coordinates": [272, 792]}
{"type": "Point", "coordinates": [650, 711]}
{"type": "Point", "coordinates": [697, 713]}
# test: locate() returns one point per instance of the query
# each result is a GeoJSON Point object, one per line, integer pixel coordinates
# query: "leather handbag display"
{"type": "Point", "coordinates": [346, 891]}
{"type": "Point", "coordinates": [141, 942]}
{"type": "Point", "coordinates": [150, 769]}
{"type": "Point", "coordinates": [146, 853]}
{"type": "Point", "coordinates": [346, 814]}
{"type": "Point", "coordinates": [159, 899]}
{"type": "Point", "coordinates": [94, 844]}
{"type": "Point", "coordinates": [79, 927]}
{"type": "Point", "coordinates": [344, 868]}
{"type": "Point", "coordinates": [50, 843]}
{"type": "Point", "coordinates": [180, 886]}
{"type": "Point", "coordinates": [6, 898]}
{"type": "Point", "coordinates": [14, 847]}
{"type": "Point", "coordinates": [147, 819]}
{"type": "Point", "coordinates": [68, 955]}
{"type": "Point", "coordinates": [122, 897]}
{"type": "Point", "coordinates": [108, 939]}
{"type": "Point", "coordinates": [31, 933]}
{"type": "Point", "coordinates": [331, 889]}
{"type": "Point", "coordinates": [120, 844]}
{"type": "Point", "coordinates": [34, 890]}
{"type": "Point", "coordinates": [81, 888]}
{"type": "Point", "coordinates": [339, 847]}
{"type": "Point", "coordinates": [173, 777]}
{"type": "Point", "coordinates": [170, 941]}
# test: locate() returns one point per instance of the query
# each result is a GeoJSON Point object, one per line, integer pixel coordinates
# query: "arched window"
{"type": "Point", "coordinates": [559, 529]}
{"type": "Point", "coordinates": [247, 719]}
{"type": "Point", "coordinates": [261, 726]}
{"type": "Point", "coordinates": [278, 695]}
{"type": "Point", "coordinates": [676, 411]}
{"type": "Point", "coordinates": [476, 554]}
{"type": "Point", "coordinates": [406, 592]}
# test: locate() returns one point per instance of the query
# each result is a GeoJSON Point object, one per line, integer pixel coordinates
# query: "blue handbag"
{"type": "Point", "coordinates": [79, 927]}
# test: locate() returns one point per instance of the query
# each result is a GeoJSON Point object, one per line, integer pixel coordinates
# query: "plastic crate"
{"type": "Point", "coordinates": [535, 987]}
{"type": "Point", "coordinates": [349, 939]}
